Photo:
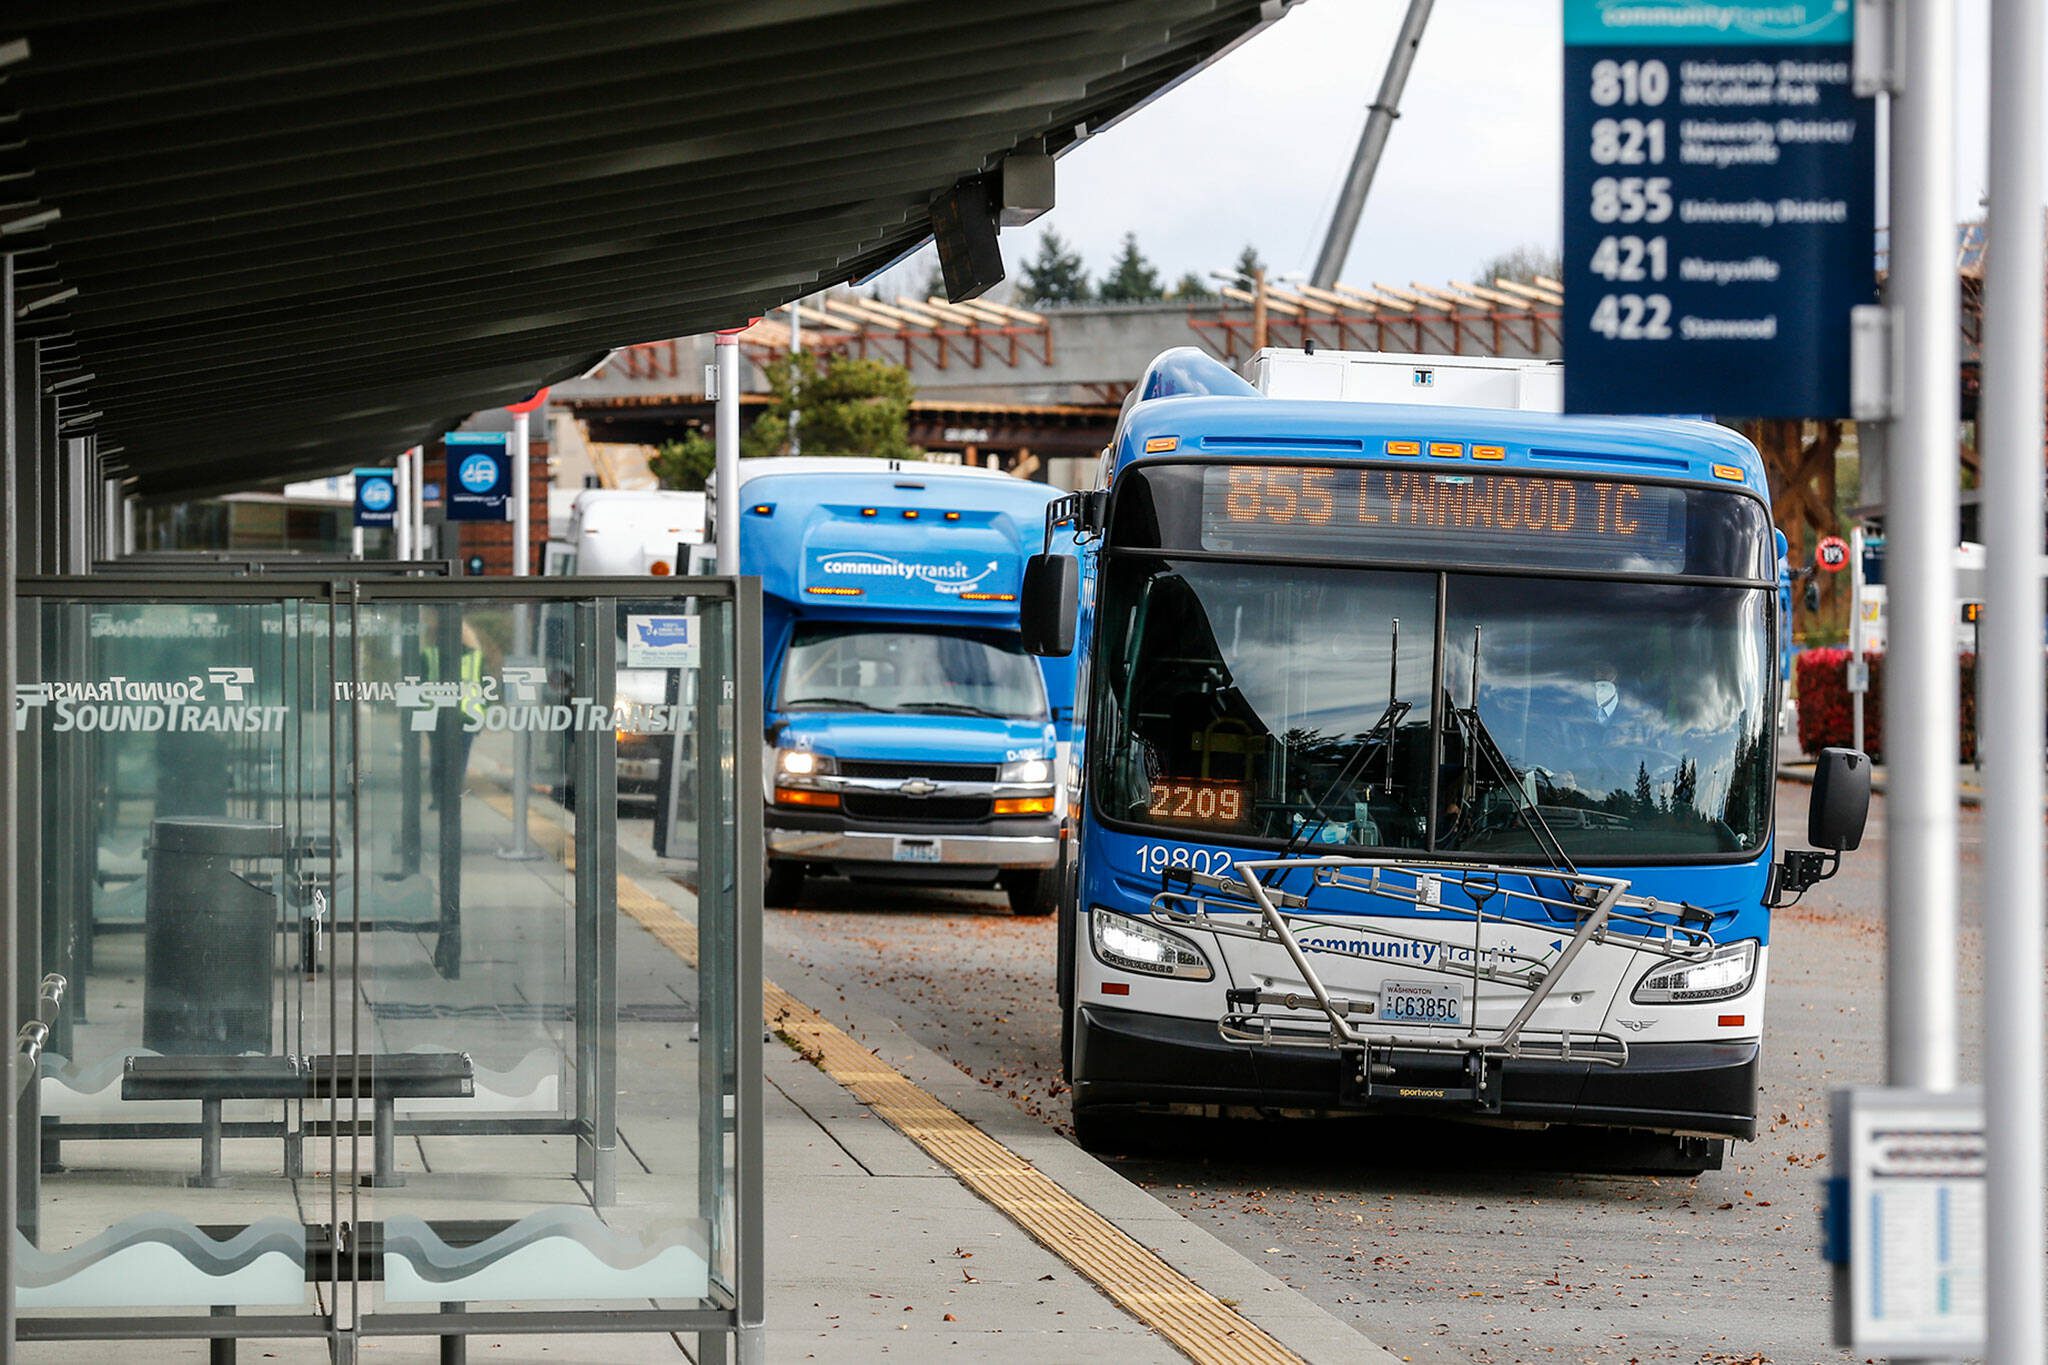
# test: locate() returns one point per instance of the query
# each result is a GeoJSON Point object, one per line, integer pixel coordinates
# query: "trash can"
{"type": "Point", "coordinates": [209, 935]}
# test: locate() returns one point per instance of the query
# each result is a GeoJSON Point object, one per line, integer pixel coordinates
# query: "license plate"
{"type": "Point", "coordinates": [917, 850]}
{"type": "Point", "coordinates": [1413, 1002]}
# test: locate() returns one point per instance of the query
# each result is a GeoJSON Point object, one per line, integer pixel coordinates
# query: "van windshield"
{"type": "Point", "coordinates": [910, 671]}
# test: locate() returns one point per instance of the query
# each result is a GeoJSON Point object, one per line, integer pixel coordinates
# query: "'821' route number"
{"type": "Point", "coordinates": [1210, 862]}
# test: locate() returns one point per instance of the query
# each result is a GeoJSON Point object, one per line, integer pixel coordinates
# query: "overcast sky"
{"type": "Point", "coordinates": [1254, 148]}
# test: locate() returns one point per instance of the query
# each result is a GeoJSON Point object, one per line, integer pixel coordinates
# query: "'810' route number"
{"type": "Point", "coordinates": [1209, 862]}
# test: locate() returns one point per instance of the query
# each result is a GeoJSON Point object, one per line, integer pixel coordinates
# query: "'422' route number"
{"type": "Point", "coordinates": [1156, 858]}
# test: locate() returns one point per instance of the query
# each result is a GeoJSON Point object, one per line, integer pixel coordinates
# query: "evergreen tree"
{"type": "Point", "coordinates": [850, 407]}
{"type": "Point", "coordinates": [1646, 801]}
{"type": "Point", "coordinates": [1247, 262]}
{"type": "Point", "coordinates": [1193, 286]}
{"type": "Point", "coordinates": [1131, 278]}
{"type": "Point", "coordinates": [685, 464]}
{"type": "Point", "coordinates": [1524, 263]}
{"type": "Point", "coordinates": [1055, 275]}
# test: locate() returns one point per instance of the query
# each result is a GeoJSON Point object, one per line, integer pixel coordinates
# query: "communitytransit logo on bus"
{"type": "Point", "coordinates": [956, 577]}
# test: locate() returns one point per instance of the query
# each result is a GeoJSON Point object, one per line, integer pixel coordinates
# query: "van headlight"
{"type": "Point", "coordinates": [1025, 772]}
{"type": "Point", "coordinates": [1725, 975]}
{"type": "Point", "coordinates": [1132, 945]}
{"type": "Point", "coordinates": [803, 763]}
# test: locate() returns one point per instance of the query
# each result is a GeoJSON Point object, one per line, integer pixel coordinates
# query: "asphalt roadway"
{"type": "Point", "coordinates": [1449, 1243]}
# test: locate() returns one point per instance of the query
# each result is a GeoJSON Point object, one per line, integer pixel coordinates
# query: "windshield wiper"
{"type": "Point", "coordinates": [836, 703]}
{"type": "Point", "coordinates": [1479, 742]}
{"type": "Point", "coordinates": [953, 708]}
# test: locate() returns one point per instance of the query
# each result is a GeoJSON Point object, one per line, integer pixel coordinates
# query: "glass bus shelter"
{"type": "Point", "coordinates": [325, 1045]}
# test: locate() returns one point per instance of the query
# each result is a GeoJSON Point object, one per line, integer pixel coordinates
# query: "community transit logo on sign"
{"type": "Point", "coordinates": [662, 642]}
{"type": "Point", "coordinates": [376, 497]}
{"type": "Point", "coordinates": [480, 483]}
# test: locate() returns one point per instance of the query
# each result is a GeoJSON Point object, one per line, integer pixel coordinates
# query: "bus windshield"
{"type": "Point", "coordinates": [1260, 703]}
{"type": "Point", "coordinates": [909, 670]}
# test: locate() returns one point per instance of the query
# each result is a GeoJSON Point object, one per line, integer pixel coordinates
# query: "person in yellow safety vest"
{"type": "Point", "coordinates": [470, 673]}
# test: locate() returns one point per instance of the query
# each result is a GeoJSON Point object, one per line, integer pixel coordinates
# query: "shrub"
{"type": "Point", "coordinates": [1824, 716]}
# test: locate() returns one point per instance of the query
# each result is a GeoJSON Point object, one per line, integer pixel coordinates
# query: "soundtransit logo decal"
{"type": "Point", "coordinates": [957, 577]}
{"type": "Point", "coordinates": [218, 702]}
{"type": "Point", "coordinates": [510, 703]}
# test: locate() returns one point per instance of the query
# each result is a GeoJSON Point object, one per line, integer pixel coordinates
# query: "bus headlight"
{"type": "Point", "coordinates": [1725, 975]}
{"type": "Point", "coordinates": [1026, 772]}
{"type": "Point", "coordinates": [1132, 945]}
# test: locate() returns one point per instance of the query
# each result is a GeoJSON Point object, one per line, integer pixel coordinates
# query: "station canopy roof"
{"type": "Point", "coordinates": [291, 238]}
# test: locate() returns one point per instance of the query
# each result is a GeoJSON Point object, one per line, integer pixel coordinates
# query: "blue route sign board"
{"type": "Point", "coordinates": [1720, 193]}
{"type": "Point", "coordinates": [479, 477]}
{"type": "Point", "coordinates": [376, 497]}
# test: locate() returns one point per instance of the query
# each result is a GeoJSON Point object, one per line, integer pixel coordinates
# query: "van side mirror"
{"type": "Point", "coordinates": [1834, 824]}
{"type": "Point", "coordinates": [1050, 604]}
{"type": "Point", "coordinates": [1841, 800]}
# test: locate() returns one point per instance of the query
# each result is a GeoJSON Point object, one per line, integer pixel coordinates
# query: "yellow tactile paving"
{"type": "Point", "coordinates": [1194, 1320]}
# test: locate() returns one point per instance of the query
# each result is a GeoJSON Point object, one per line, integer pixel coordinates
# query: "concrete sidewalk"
{"type": "Point", "coordinates": [871, 1243]}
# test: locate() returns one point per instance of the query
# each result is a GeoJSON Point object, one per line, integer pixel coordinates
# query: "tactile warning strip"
{"type": "Point", "coordinates": [1194, 1320]}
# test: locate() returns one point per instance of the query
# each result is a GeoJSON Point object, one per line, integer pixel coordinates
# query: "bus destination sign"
{"type": "Point", "coordinates": [1720, 195]}
{"type": "Point", "coordinates": [1375, 512]}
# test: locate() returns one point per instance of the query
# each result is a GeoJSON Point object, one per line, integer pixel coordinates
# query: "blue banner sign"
{"type": "Point", "coordinates": [479, 477]}
{"type": "Point", "coordinates": [1720, 193]}
{"type": "Point", "coordinates": [376, 497]}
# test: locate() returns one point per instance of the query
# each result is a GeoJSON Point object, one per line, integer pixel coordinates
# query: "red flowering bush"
{"type": "Point", "coordinates": [1824, 716]}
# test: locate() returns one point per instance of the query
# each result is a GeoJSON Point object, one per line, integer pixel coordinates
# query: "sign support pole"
{"type": "Point", "coordinates": [2010, 684]}
{"type": "Point", "coordinates": [727, 465]}
{"type": "Point", "coordinates": [522, 849]}
{"type": "Point", "coordinates": [1921, 689]}
{"type": "Point", "coordinates": [401, 510]}
{"type": "Point", "coordinates": [1856, 646]}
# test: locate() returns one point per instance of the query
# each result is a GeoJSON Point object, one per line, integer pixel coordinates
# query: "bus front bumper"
{"type": "Point", "coordinates": [1126, 1058]}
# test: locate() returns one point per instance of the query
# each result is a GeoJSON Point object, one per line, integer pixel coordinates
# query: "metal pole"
{"type": "Point", "coordinates": [419, 502]}
{"type": "Point", "coordinates": [1856, 646]}
{"type": "Point", "coordinates": [796, 348]}
{"type": "Point", "coordinates": [1259, 324]}
{"type": "Point", "coordinates": [1921, 691]}
{"type": "Point", "coordinates": [1379, 121]}
{"type": "Point", "coordinates": [401, 518]}
{"type": "Point", "coordinates": [11, 1148]}
{"type": "Point", "coordinates": [522, 516]}
{"type": "Point", "coordinates": [355, 542]}
{"type": "Point", "coordinates": [2010, 686]}
{"type": "Point", "coordinates": [522, 849]}
{"type": "Point", "coordinates": [728, 455]}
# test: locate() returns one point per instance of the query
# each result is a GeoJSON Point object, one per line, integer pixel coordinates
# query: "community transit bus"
{"type": "Point", "coordinates": [910, 736]}
{"type": "Point", "coordinates": [1425, 755]}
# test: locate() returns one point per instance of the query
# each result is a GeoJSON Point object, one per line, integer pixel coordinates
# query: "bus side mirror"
{"type": "Point", "coordinates": [1050, 604]}
{"type": "Point", "coordinates": [1841, 800]}
{"type": "Point", "coordinates": [1834, 825]}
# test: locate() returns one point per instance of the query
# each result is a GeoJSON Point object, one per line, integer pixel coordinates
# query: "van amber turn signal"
{"type": "Point", "coordinates": [1023, 805]}
{"type": "Point", "coordinates": [799, 796]}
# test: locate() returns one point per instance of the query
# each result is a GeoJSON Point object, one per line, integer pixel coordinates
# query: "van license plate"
{"type": "Point", "coordinates": [917, 850]}
{"type": "Point", "coordinates": [1414, 1002]}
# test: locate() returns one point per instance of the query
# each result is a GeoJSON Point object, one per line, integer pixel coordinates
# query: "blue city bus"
{"type": "Point", "coordinates": [1424, 758]}
{"type": "Point", "coordinates": [910, 737]}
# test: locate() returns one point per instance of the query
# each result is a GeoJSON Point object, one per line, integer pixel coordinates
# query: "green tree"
{"type": "Point", "coordinates": [1248, 261]}
{"type": "Point", "coordinates": [1131, 278]}
{"type": "Point", "coordinates": [685, 464]}
{"type": "Point", "coordinates": [1524, 263]}
{"type": "Point", "coordinates": [850, 406]}
{"type": "Point", "coordinates": [1055, 275]}
{"type": "Point", "coordinates": [1193, 286]}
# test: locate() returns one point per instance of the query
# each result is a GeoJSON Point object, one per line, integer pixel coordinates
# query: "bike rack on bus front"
{"type": "Point", "coordinates": [1602, 909]}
